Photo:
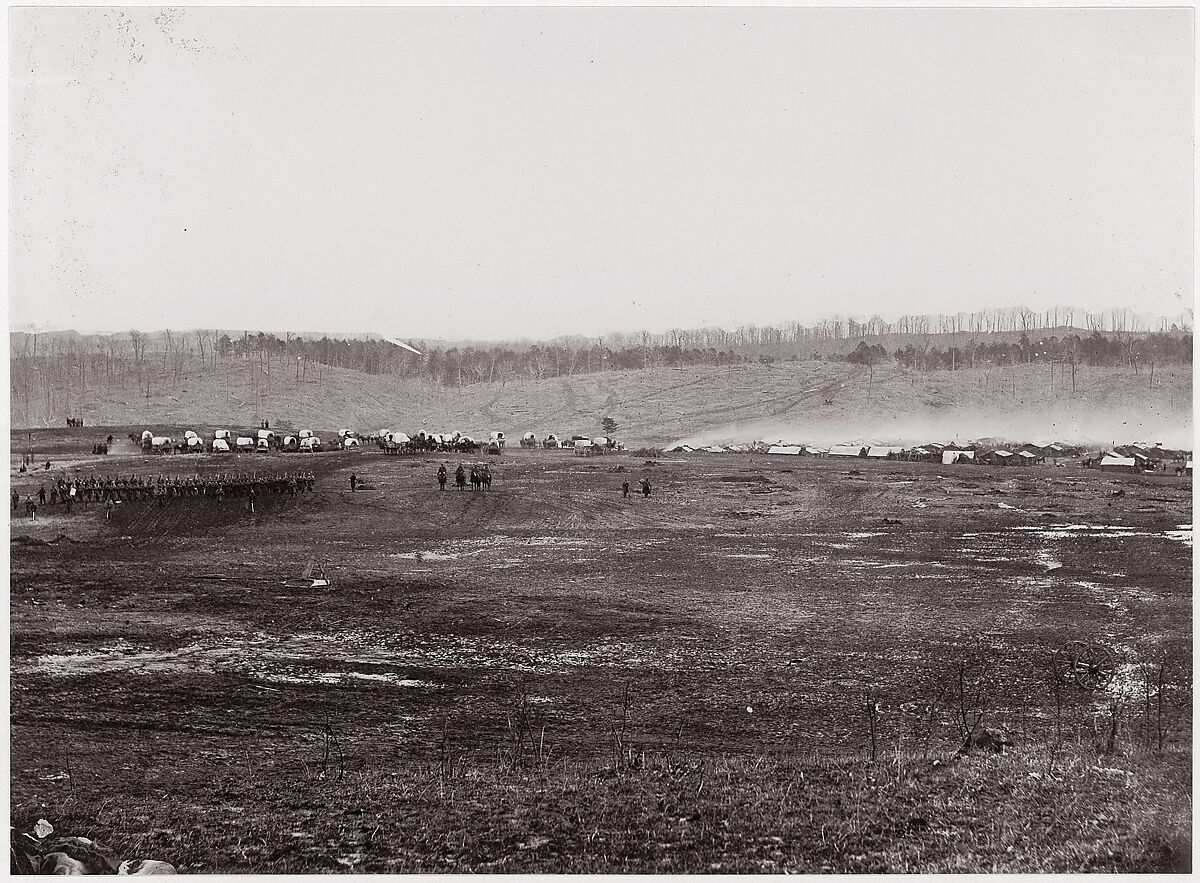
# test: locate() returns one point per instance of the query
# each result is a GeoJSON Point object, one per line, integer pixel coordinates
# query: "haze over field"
{"type": "Point", "coordinates": [1084, 426]}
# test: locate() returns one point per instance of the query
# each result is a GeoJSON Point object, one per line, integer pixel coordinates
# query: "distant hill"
{"type": "Point", "coordinates": [813, 401]}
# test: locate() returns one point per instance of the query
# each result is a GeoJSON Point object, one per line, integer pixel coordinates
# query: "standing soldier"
{"type": "Point", "coordinates": [353, 482]}
{"type": "Point", "coordinates": [108, 507]}
{"type": "Point", "coordinates": [16, 498]}
{"type": "Point", "coordinates": [42, 495]}
{"type": "Point", "coordinates": [625, 489]}
{"type": "Point", "coordinates": [441, 476]}
{"type": "Point", "coordinates": [645, 487]}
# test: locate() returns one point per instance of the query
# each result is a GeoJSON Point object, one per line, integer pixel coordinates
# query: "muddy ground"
{"type": "Point", "coordinates": [751, 604]}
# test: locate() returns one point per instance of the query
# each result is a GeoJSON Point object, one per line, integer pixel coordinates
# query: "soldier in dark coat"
{"type": "Point", "coordinates": [645, 487]}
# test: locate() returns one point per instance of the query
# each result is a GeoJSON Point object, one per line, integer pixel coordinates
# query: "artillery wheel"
{"type": "Point", "coordinates": [1088, 666]}
{"type": "Point", "coordinates": [1066, 661]}
{"type": "Point", "coordinates": [1094, 669]}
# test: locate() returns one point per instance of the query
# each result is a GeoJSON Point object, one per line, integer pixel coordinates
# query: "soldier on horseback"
{"type": "Point", "coordinates": [441, 476]}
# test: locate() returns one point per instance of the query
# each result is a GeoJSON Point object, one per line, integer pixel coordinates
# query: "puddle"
{"type": "Point", "coordinates": [334, 678]}
{"type": "Point", "coordinates": [468, 548]}
{"type": "Point", "coordinates": [887, 565]}
{"type": "Point", "coordinates": [302, 658]}
{"type": "Point", "coordinates": [1182, 533]}
{"type": "Point", "coordinates": [1046, 560]}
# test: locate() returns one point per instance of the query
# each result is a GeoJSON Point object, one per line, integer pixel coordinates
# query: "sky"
{"type": "Point", "coordinates": [531, 172]}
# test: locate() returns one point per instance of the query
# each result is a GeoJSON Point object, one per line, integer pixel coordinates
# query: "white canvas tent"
{"type": "Point", "coordinates": [1113, 463]}
{"type": "Point", "coordinates": [881, 452]}
{"type": "Point", "coordinates": [845, 450]}
{"type": "Point", "coordinates": [790, 450]}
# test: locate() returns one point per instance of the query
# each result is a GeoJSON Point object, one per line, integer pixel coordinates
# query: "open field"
{"type": "Point", "coordinates": [548, 677]}
{"type": "Point", "coordinates": [816, 402]}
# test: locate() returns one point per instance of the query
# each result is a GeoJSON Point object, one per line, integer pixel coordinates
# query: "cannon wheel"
{"type": "Point", "coordinates": [1089, 666]}
{"type": "Point", "coordinates": [1094, 668]}
{"type": "Point", "coordinates": [1066, 661]}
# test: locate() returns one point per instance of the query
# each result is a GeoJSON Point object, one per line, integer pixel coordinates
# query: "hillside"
{"type": "Point", "coordinates": [819, 402]}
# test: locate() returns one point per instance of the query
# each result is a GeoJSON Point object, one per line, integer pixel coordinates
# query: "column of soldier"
{"type": "Point", "coordinates": [93, 489]}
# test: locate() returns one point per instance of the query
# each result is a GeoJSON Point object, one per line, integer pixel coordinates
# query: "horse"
{"type": "Point", "coordinates": [460, 478]}
{"type": "Point", "coordinates": [475, 481]}
{"type": "Point", "coordinates": [486, 478]}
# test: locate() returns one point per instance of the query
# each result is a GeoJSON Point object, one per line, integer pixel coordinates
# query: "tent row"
{"type": "Point", "coordinates": [1129, 458]}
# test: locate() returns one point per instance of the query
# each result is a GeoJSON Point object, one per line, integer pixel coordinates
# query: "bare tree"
{"type": "Point", "coordinates": [203, 343]}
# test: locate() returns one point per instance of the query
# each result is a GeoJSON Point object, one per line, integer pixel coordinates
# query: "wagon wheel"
{"type": "Point", "coordinates": [1066, 661]}
{"type": "Point", "coordinates": [1094, 668]}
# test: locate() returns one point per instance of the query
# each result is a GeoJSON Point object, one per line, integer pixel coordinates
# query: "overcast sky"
{"type": "Point", "coordinates": [533, 172]}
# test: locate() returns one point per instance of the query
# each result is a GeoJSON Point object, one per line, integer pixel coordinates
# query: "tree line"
{"type": "Point", "coordinates": [52, 373]}
{"type": "Point", "coordinates": [1097, 350]}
